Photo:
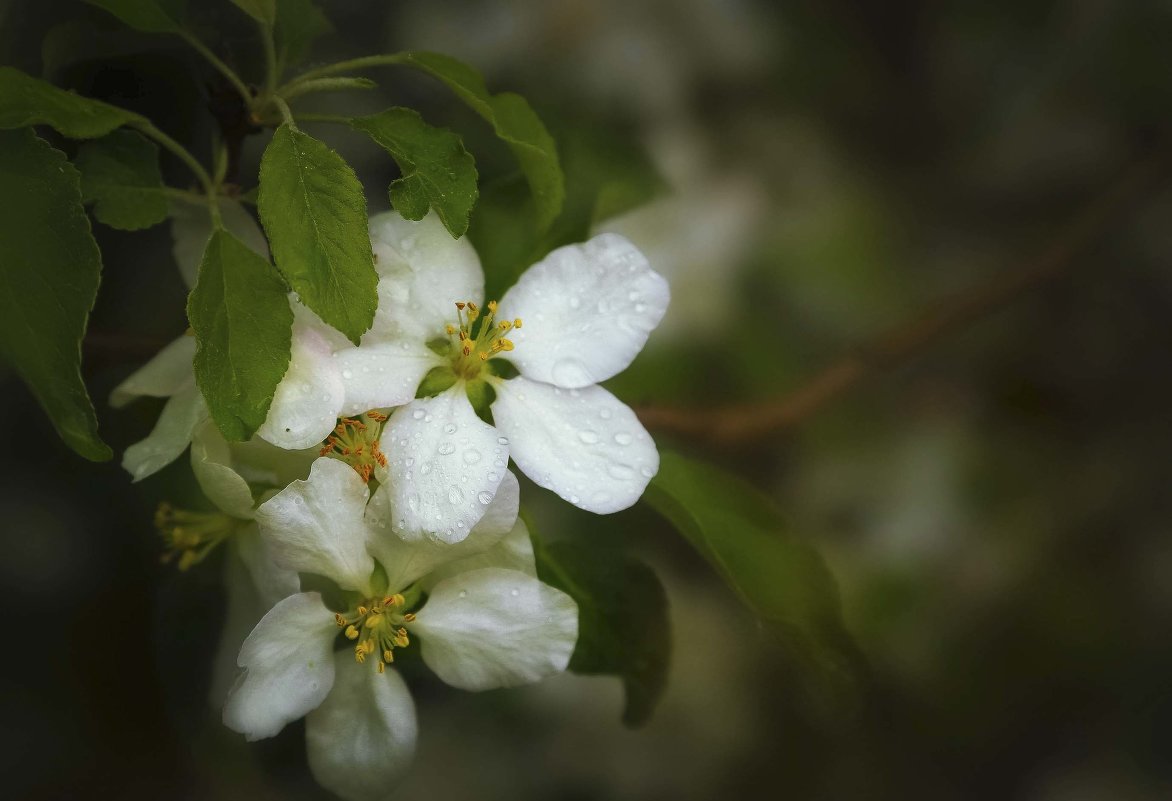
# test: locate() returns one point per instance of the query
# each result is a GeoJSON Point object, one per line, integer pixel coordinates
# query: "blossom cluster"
{"type": "Point", "coordinates": [383, 472]}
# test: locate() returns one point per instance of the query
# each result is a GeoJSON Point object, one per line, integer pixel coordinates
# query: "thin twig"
{"type": "Point", "coordinates": [741, 423]}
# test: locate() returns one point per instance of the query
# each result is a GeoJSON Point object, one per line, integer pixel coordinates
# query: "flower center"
{"type": "Point", "coordinates": [355, 442]}
{"type": "Point", "coordinates": [377, 626]}
{"type": "Point", "coordinates": [191, 535]}
{"type": "Point", "coordinates": [478, 337]}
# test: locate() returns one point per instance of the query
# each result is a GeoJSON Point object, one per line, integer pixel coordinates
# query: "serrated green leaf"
{"type": "Point", "coordinates": [243, 323]}
{"type": "Point", "coordinates": [49, 273]}
{"type": "Point", "coordinates": [782, 579]}
{"type": "Point", "coordinates": [299, 24]}
{"type": "Point", "coordinates": [623, 625]}
{"type": "Point", "coordinates": [120, 176]}
{"type": "Point", "coordinates": [260, 10]}
{"type": "Point", "coordinates": [514, 121]}
{"type": "Point", "coordinates": [314, 213]}
{"type": "Point", "coordinates": [26, 101]}
{"type": "Point", "coordinates": [437, 171]}
{"type": "Point", "coordinates": [149, 16]}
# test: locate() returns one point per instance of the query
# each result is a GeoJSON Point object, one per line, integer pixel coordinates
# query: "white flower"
{"type": "Point", "coordinates": [578, 317]}
{"type": "Point", "coordinates": [487, 622]}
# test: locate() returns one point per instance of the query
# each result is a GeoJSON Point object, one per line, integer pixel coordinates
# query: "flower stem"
{"type": "Point", "coordinates": [344, 66]}
{"type": "Point", "coordinates": [272, 71]}
{"type": "Point", "coordinates": [234, 79]}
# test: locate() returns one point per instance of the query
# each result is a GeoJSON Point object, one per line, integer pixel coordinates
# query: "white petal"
{"type": "Point", "coordinates": [211, 461]}
{"type": "Point", "coordinates": [405, 562]}
{"type": "Point", "coordinates": [584, 444]}
{"type": "Point", "coordinates": [166, 374]}
{"type": "Point", "coordinates": [424, 273]}
{"type": "Point", "coordinates": [445, 466]}
{"type": "Point", "coordinates": [289, 667]}
{"type": "Point", "coordinates": [306, 404]}
{"type": "Point", "coordinates": [496, 628]}
{"type": "Point", "coordinates": [191, 227]}
{"type": "Point", "coordinates": [253, 584]}
{"type": "Point", "coordinates": [361, 740]}
{"type": "Point", "coordinates": [513, 552]}
{"type": "Point", "coordinates": [273, 583]}
{"type": "Point", "coordinates": [379, 375]}
{"type": "Point", "coordinates": [244, 610]}
{"type": "Point", "coordinates": [171, 435]}
{"type": "Point", "coordinates": [317, 526]}
{"type": "Point", "coordinates": [587, 312]}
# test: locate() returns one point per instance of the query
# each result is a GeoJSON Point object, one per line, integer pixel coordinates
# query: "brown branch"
{"type": "Point", "coordinates": [745, 422]}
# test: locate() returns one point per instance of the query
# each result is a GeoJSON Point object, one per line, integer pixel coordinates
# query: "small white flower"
{"type": "Point", "coordinates": [487, 622]}
{"type": "Point", "coordinates": [578, 317]}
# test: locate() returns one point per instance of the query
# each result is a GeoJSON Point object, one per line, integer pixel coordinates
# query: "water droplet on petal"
{"type": "Point", "coordinates": [620, 472]}
{"type": "Point", "coordinates": [623, 438]}
{"type": "Point", "coordinates": [450, 428]}
{"type": "Point", "coordinates": [471, 456]}
{"type": "Point", "coordinates": [502, 440]}
{"type": "Point", "coordinates": [347, 374]}
{"type": "Point", "coordinates": [514, 592]}
{"type": "Point", "coordinates": [588, 437]}
{"type": "Point", "coordinates": [455, 494]}
{"type": "Point", "coordinates": [485, 498]}
{"type": "Point", "coordinates": [418, 414]}
{"type": "Point", "coordinates": [604, 413]}
{"type": "Point", "coordinates": [445, 448]}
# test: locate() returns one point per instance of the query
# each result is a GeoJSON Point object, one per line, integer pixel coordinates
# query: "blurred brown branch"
{"type": "Point", "coordinates": [744, 422]}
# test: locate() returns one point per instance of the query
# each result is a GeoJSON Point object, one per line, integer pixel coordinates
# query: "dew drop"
{"type": "Point", "coordinates": [502, 440]}
{"type": "Point", "coordinates": [445, 448]}
{"type": "Point", "coordinates": [455, 494]}
{"type": "Point", "coordinates": [425, 468]}
{"type": "Point", "coordinates": [450, 428]}
{"type": "Point", "coordinates": [471, 456]}
{"type": "Point", "coordinates": [623, 438]}
{"type": "Point", "coordinates": [589, 437]}
{"type": "Point", "coordinates": [418, 414]}
{"type": "Point", "coordinates": [463, 593]}
{"type": "Point", "coordinates": [514, 592]}
{"type": "Point", "coordinates": [484, 497]}
{"type": "Point", "coordinates": [647, 472]}
{"type": "Point", "coordinates": [347, 374]}
{"type": "Point", "coordinates": [620, 472]}
{"type": "Point", "coordinates": [604, 413]}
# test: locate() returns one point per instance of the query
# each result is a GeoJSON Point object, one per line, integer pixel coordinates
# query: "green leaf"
{"type": "Point", "coordinates": [623, 625]}
{"type": "Point", "coordinates": [264, 11]}
{"type": "Point", "coordinates": [26, 101]}
{"type": "Point", "coordinates": [515, 123]}
{"type": "Point", "coordinates": [149, 16]}
{"type": "Point", "coordinates": [49, 273]}
{"type": "Point", "coordinates": [120, 176]}
{"type": "Point", "coordinates": [299, 23]}
{"type": "Point", "coordinates": [437, 171]}
{"type": "Point", "coordinates": [314, 213]}
{"type": "Point", "coordinates": [243, 323]}
{"type": "Point", "coordinates": [784, 580]}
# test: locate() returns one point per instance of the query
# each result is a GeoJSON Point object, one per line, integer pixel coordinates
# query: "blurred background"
{"type": "Point", "coordinates": [995, 508]}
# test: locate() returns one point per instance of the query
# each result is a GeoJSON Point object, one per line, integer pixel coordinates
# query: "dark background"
{"type": "Point", "coordinates": [995, 508]}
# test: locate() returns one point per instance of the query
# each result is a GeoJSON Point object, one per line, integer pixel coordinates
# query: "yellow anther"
{"type": "Point", "coordinates": [351, 633]}
{"type": "Point", "coordinates": [483, 356]}
{"type": "Point", "coordinates": [451, 329]}
{"type": "Point", "coordinates": [472, 306]}
{"type": "Point", "coordinates": [401, 638]}
{"type": "Point", "coordinates": [409, 617]}
{"type": "Point", "coordinates": [492, 306]}
{"type": "Point", "coordinates": [341, 621]}
{"type": "Point", "coordinates": [398, 600]}
{"type": "Point", "coordinates": [504, 325]}
{"type": "Point", "coordinates": [506, 344]}
{"type": "Point", "coordinates": [188, 559]}
{"type": "Point", "coordinates": [381, 668]}
{"type": "Point", "coordinates": [362, 610]}
{"type": "Point", "coordinates": [459, 305]}
{"type": "Point", "coordinates": [517, 323]}
{"type": "Point", "coordinates": [473, 315]}
{"type": "Point", "coordinates": [388, 656]}
{"type": "Point", "coordinates": [373, 621]}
